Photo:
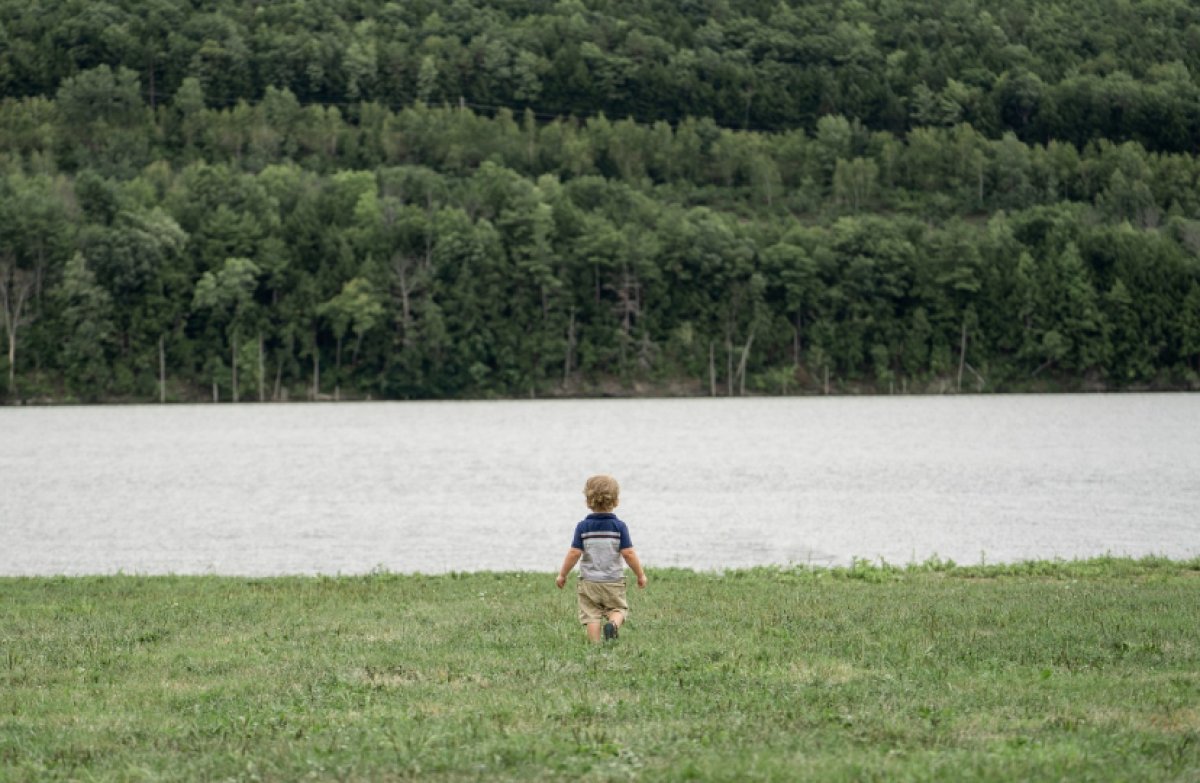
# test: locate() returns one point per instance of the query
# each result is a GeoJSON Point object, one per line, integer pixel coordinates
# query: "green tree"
{"type": "Point", "coordinates": [103, 113]}
{"type": "Point", "coordinates": [1066, 326]}
{"type": "Point", "coordinates": [228, 296]}
{"type": "Point", "coordinates": [1132, 359]}
{"type": "Point", "coordinates": [16, 289]}
{"type": "Point", "coordinates": [188, 105]}
{"type": "Point", "coordinates": [139, 259]}
{"type": "Point", "coordinates": [956, 263]}
{"type": "Point", "coordinates": [1189, 327]}
{"type": "Point", "coordinates": [834, 141]}
{"type": "Point", "coordinates": [793, 268]}
{"type": "Point", "coordinates": [1129, 200]}
{"type": "Point", "coordinates": [427, 80]}
{"type": "Point", "coordinates": [854, 182]}
{"type": "Point", "coordinates": [358, 308]}
{"type": "Point", "coordinates": [86, 312]}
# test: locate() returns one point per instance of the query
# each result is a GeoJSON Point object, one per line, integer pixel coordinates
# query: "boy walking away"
{"type": "Point", "coordinates": [602, 541]}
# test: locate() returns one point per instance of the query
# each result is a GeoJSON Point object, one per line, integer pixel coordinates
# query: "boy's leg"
{"type": "Point", "coordinates": [615, 618]}
{"type": "Point", "coordinates": [591, 614]}
{"type": "Point", "coordinates": [616, 605]}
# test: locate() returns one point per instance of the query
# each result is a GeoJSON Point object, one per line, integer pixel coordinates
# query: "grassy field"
{"type": "Point", "coordinates": [1040, 671]}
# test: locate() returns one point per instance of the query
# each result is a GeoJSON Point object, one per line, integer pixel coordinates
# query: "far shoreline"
{"type": "Point", "coordinates": [614, 390]}
{"type": "Point", "coordinates": [860, 569]}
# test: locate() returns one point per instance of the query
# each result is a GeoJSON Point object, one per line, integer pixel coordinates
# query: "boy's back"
{"type": "Point", "coordinates": [601, 536]}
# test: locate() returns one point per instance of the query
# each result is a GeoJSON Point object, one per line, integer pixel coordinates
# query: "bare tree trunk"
{"type": "Point", "coordinates": [337, 386]}
{"type": "Point", "coordinates": [401, 265]}
{"type": "Point", "coordinates": [262, 370]}
{"type": "Point", "coordinates": [39, 273]}
{"type": "Point", "coordinates": [279, 368]}
{"type": "Point", "coordinates": [570, 348]}
{"type": "Point", "coordinates": [162, 371]}
{"type": "Point", "coordinates": [728, 365]}
{"type": "Point", "coordinates": [962, 352]}
{"type": "Point", "coordinates": [712, 370]}
{"type": "Point", "coordinates": [316, 384]}
{"type": "Point", "coordinates": [827, 380]}
{"type": "Point", "coordinates": [742, 366]}
{"type": "Point", "coordinates": [979, 378]}
{"type": "Point", "coordinates": [233, 362]}
{"type": "Point", "coordinates": [796, 342]}
{"type": "Point", "coordinates": [12, 361]}
{"type": "Point", "coordinates": [16, 285]}
{"type": "Point", "coordinates": [404, 302]}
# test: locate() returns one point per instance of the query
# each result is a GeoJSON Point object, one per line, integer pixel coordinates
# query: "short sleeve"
{"type": "Point", "coordinates": [626, 543]}
{"type": "Point", "coordinates": [577, 539]}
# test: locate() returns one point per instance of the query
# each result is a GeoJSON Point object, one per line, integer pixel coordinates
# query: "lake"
{"type": "Point", "coordinates": [706, 483]}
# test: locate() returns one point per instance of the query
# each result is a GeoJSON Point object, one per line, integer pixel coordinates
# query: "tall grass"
{"type": "Point", "coordinates": [1080, 671]}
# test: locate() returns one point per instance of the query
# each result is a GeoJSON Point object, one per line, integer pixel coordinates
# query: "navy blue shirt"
{"type": "Point", "coordinates": [601, 536]}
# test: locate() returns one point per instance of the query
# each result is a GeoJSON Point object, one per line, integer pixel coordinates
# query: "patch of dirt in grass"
{"type": "Point", "coordinates": [1185, 720]}
{"type": "Point", "coordinates": [827, 672]}
{"type": "Point", "coordinates": [388, 678]}
{"type": "Point", "coordinates": [993, 726]}
{"type": "Point", "coordinates": [403, 677]}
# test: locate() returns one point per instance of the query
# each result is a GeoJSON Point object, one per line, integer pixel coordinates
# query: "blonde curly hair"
{"type": "Point", "coordinates": [602, 493]}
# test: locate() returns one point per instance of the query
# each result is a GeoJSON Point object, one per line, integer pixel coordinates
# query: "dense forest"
{"type": "Point", "coordinates": [309, 199]}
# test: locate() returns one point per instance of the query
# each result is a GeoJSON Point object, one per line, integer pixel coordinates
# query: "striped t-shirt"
{"type": "Point", "coordinates": [601, 536]}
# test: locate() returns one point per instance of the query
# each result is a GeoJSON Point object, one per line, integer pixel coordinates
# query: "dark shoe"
{"type": "Point", "coordinates": [610, 631]}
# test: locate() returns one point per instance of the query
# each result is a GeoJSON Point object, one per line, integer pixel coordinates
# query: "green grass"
{"type": "Point", "coordinates": [1039, 671]}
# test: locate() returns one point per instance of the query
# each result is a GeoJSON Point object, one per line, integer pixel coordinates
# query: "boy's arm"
{"type": "Point", "coordinates": [632, 559]}
{"type": "Point", "coordinates": [569, 562]}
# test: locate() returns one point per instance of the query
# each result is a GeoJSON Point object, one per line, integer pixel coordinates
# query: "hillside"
{"type": "Point", "coordinates": [438, 199]}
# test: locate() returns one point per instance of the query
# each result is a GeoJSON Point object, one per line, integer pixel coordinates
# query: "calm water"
{"type": "Point", "coordinates": [435, 487]}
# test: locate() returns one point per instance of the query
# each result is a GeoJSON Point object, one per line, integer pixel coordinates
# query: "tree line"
{"type": "Point", "coordinates": [437, 199]}
{"type": "Point", "coordinates": [274, 250]}
{"type": "Point", "coordinates": [1071, 70]}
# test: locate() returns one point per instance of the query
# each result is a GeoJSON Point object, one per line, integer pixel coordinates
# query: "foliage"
{"type": "Point", "coordinates": [1074, 70]}
{"type": "Point", "coordinates": [526, 199]}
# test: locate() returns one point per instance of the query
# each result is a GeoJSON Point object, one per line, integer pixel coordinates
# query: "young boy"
{"type": "Point", "coordinates": [599, 539]}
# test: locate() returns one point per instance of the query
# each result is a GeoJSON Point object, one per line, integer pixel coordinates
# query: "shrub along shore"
{"type": "Point", "coordinates": [1080, 670]}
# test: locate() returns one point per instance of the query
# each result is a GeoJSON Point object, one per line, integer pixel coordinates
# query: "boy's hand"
{"type": "Point", "coordinates": [641, 581]}
{"type": "Point", "coordinates": [569, 562]}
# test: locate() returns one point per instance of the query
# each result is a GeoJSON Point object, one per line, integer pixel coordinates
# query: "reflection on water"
{"type": "Point", "coordinates": [434, 487]}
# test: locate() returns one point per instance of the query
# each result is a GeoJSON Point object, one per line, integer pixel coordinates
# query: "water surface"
{"type": "Point", "coordinates": [441, 486]}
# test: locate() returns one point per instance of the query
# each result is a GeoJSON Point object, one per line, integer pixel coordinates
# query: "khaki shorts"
{"type": "Point", "coordinates": [597, 600]}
